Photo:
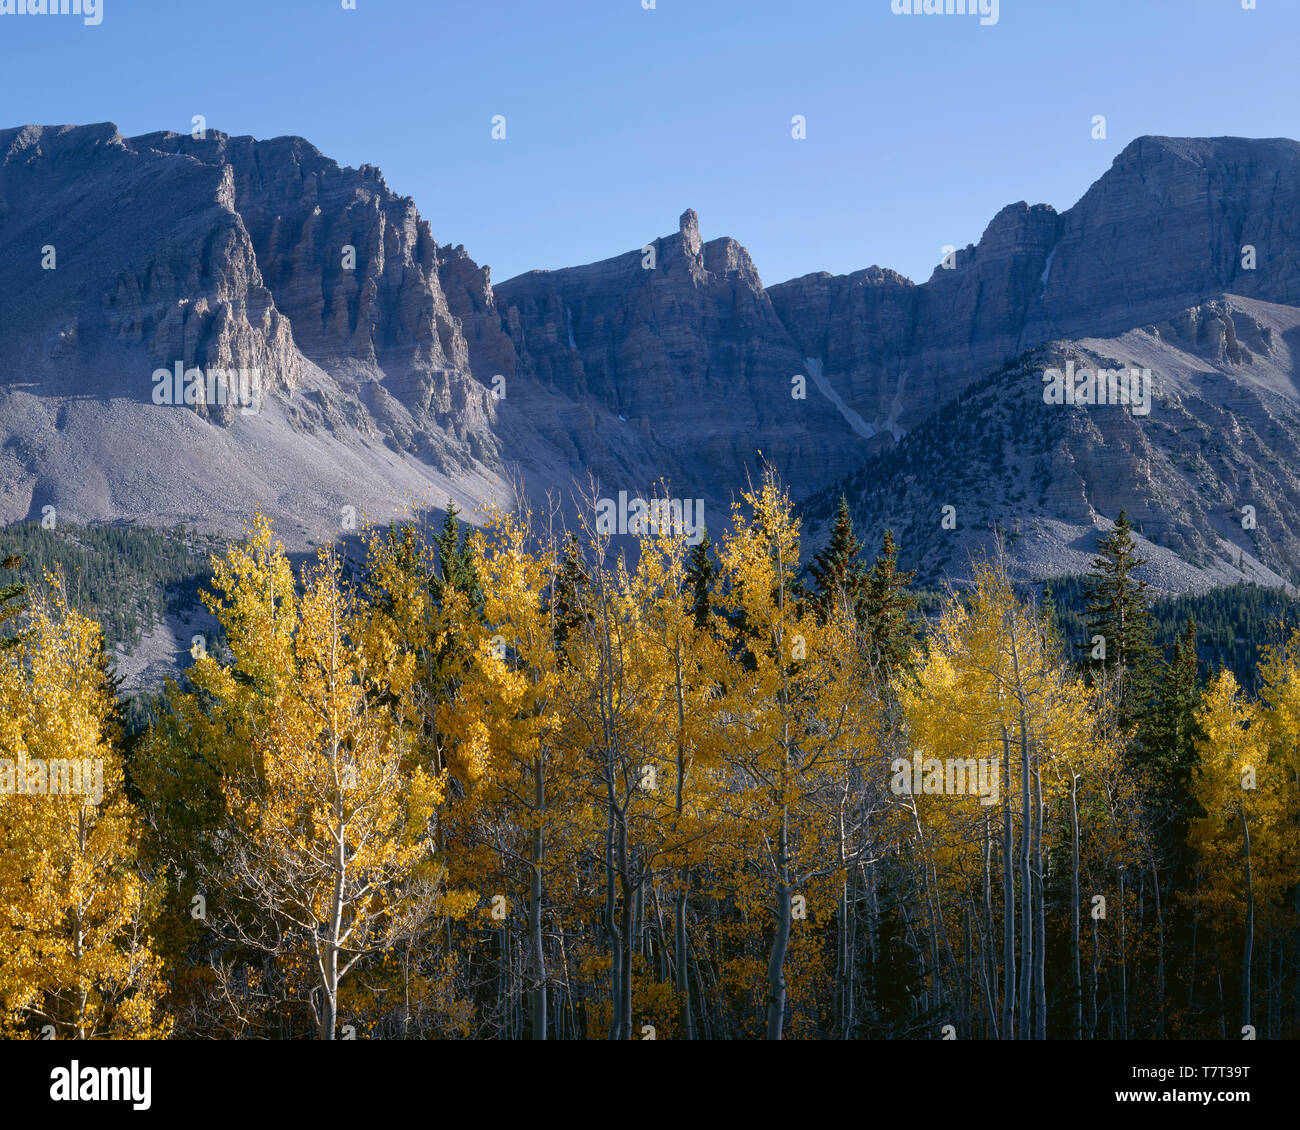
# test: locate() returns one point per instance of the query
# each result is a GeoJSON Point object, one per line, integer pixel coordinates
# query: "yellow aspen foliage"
{"type": "Point", "coordinates": [500, 728]}
{"type": "Point", "coordinates": [502, 732]}
{"type": "Point", "coordinates": [999, 744]}
{"type": "Point", "coordinates": [324, 853]}
{"type": "Point", "coordinates": [1279, 677]}
{"type": "Point", "coordinates": [646, 678]}
{"type": "Point", "coordinates": [510, 699]}
{"type": "Point", "coordinates": [1246, 839]}
{"type": "Point", "coordinates": [988, 668]}
{"type": "Point", "coordinates": [683, 668]}
{"type": "Point", "coordinates": [796, 714]}
{"type": "Point", "coordinates": [76, 957]}
{"type": "Point", "coordinates": [408, 619]}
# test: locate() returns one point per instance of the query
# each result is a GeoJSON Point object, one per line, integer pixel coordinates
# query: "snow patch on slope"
{"type": "Point", "coordinates": [856, 422]}
{"type": "Point", "coordinates": [1047, 269]}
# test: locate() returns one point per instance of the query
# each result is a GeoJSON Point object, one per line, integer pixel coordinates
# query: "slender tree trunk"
{"type": "Point", "coordinates": [776, 988]}
{"type": "Point", "coordinates": [1196, 921]}
{"type": "Point", "coordinates": [1123, 959]}
{"type": "Point", "coordinates": [616, 946]}
{"type": "Point", "coordinates": [1160, 955]}
{"type": "Point", "coordinates": [1093, 978]}
{"type": "Point", "coordinates": [629, 890]}
{"type": "Point", "coordinates": [334, 927]}
{"type": "Point", "coordinates": [781, 941]}
{"type": "Point", "coordinates": [1026, 895]}
{"type": "Point", "coordinates": [79, 935]}
{"type": "Point", "coordinates": [991, 977]}
{"type": "Point", "coordinates": [1295, 935]}
{"type": "Point", "coordinates": [1249, 942]}
{"type": "Point", "coordinates": [685, 1025]}
{"type": "Point", "coordinates": [849, 969]}
{"type": "Point", "coordinates": [873, 935]}
{"type": "Point", "coordinates": [1008, 904]}
{"type": "Point", "coordinates": [988, 991]}
{"type": "Point", "coordinates": [1040, 944]}
{"type": "Point", "coordinates": [566, 1006]}
{"type": "Point", "coordinates": [706, 1027]}
{"type": "Point", "coordinates": [537, 950]}
{"type": "Point", "coordinates": [661, 947]}
{"type": "Point", "coordinates": [503, 979]}
{"type": "Point", "coordinates": [1076, 971]}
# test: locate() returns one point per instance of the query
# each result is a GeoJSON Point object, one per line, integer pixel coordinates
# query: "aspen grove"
{"type": "Point", "coordinates": [505, 782]}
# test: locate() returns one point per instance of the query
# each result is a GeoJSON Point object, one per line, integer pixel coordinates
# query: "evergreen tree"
{"type": "Point", "coordinates": [840, 578]}
{"type": "Point", "coordinates": [570, 584]}
{"type": "Point", "coordinates": [1118, 611]}
{"type": "Point", "coordinates": [455, 562]}
{"type": "Point", "coordinates": [11, 602]}
{"type": "Point", "coordinates": [701, 569]}
{"type": "Point", "coordinates": [1171, 736]}
{"type": "Point", "coordinates": [412, 577]}
{"type": "Point", "coordinates": [888, 608]}
{"type": "Point", "coordinates": [1048, 617]}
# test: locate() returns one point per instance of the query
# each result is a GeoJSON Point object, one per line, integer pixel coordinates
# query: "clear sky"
{"type": "Point", "coordinates": [919, 127]}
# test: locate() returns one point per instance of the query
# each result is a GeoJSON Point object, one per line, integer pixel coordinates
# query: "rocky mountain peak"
{"type": "Point", "coordinates": [690, 229]}
{"type": "Point", "coordinates": [669, 361]}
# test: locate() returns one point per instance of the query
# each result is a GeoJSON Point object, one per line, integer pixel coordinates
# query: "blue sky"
{"type": "Point", "coordinates": [919, 128]}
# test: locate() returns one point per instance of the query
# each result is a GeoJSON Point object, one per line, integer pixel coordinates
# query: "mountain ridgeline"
{"type": "Point", "coordinates": [391, 374]}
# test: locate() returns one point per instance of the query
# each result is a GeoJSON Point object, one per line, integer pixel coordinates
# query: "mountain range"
{"type": "Point", "coordinates": [392, 374]}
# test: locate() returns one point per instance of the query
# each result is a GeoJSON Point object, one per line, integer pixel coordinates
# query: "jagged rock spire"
{"type": "Point", "coordinates": [690, 225]}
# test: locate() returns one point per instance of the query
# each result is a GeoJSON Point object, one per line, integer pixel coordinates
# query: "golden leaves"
{"type": "Point", "coordinates": [75, 951]}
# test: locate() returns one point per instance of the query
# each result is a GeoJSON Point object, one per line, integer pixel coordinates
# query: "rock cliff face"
{"type": "Point", "coordinates": [680, 342]}
{"type": "Point", "coordinates": [1162, 230]}
{"type": "Point", "coordinates": [395, 374]}
{"type": "Point", "coordinates": [358, 274]}
{"type": "Point", "coordinates": [108, 246]}
{"type": "Point", "coordinates": [1165, 228]}
{"type": "Point", "coordinates": [1209, 473]}
{"type": "Point", "coordinates": [120, 256]}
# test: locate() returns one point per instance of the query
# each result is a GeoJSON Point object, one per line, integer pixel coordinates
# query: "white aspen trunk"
{"type": "Point", "coordinates": [1026, 895]}
{"type": "Point", "coordinates": [1075, 895]}
{"type": "Point", "coordinates": [685, 1025]}
{"type": "Point", "coordinates": [1040, 944]}
{"type": "Point", "coordinates": [334, 927]}
{"type": "Point", "coordinates": [781, 942]}
{"type": "Point", "coordinates": [79, 936]}
{"type": "Point", "coordinates": [628, 929]}
{"type": "Point", "coordinates": [536, 948]}
{"type": "Point", "coordinates": [1249, 943]}
{"type": "Point", "coordinates": [616, 947]}
{"type": "Point", "coordinates": [990, 958]}
{"type": "Point", "coordinates": [1008, 903]}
